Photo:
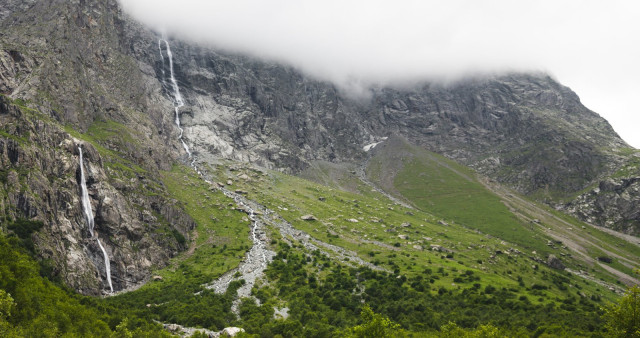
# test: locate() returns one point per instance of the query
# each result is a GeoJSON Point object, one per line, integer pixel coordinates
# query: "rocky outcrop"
{"type": "Point", "coordinates": [613, 204]}
{"type": "Point", "coordinates": [522, 129]}
{"type": "Point", "coordinates": [555, 263]}
{"type": "Point", "coordinates": [40, 162]}
{"type": "Point", "coordinates": [525, 130]}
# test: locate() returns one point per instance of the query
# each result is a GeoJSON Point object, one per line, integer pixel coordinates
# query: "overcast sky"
{"type": "Point", "coordinates": [591, 46]}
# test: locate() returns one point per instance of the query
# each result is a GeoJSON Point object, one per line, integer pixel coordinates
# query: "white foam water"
{"type": "Point", "coordinates": [178, 102]}
{"type": "Point", "coordinates": [88, 214]}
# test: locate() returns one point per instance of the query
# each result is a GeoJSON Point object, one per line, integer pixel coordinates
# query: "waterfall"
{"type": "Point", "coordinates": [88, 215]}
{"type": "Point", "coordinates": [86, 206]}
{"type": "Point", "coordinates": [162, 58]}
{"type": "Point", "coordinates": [178, 102]}
{"type": "Point", "coordinates": [107, 264]}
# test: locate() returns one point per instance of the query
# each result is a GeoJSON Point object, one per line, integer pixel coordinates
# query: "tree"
{"type": "Point", "coordinates": [122, 330]}
{"type": "Point", "coordinates": [623, 319]}
{"type": "Point", "coordinates": [374, 326]}
{"type": "Point", "coordinates": [6, 303]}
{"type": "Point", "coordinates": [452, 330]}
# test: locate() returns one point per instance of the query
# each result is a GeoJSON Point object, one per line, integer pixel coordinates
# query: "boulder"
{"type": "Point", "coordinates": [605, 259]}
{"type": "Point", "coordinates": [308, 218]}
{"type": "Point", "coordinates": [555, 263]}
{"type": "Point", "coordinates": [231, 331]}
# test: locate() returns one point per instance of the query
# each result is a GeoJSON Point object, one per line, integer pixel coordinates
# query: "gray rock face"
{"type": "Point", "coordinates": [615, 204]}
{"type": "Point", "coordinates": [43, 183]}
{"type": "Point", "coordinates": [11, 6]}
{"type": "Point", "coordinates": [522, 129]}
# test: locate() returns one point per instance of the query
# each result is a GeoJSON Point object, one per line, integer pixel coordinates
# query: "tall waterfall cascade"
{"type": "Point", "coordinates": [178, 102]}
{"type": "Point", "coordinates": [88, 214]}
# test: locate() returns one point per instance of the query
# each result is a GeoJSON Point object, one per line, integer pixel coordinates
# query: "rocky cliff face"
{"type": "Point", "coordinates": [41, 181]}
{"type": "Point", "coordinates": [83, 72]}
{"type": "Point", "coordinates": [614, 202]}
{"type": "Point", "coordinates": [68, 78]}
{"type": "Point", "coordinates": [522, 129]}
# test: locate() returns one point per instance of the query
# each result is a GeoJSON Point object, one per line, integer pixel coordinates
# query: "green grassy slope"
{"type": "Point", "coordinates": [432, 273]}
{"type": "Point", "coordinates": [468, 251]}
{"type": "Point", "coordinates": [451, 191]}
{"type": "Point", "coordinates": [406, 243]}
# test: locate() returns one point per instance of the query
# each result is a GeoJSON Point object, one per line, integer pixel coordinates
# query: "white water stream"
{"type": "Point", "coordinates": [178, 102]}
{"type": "Point", "coordinates": [255, 261]}
{"type": "Point", "coordinates": [88, 214]}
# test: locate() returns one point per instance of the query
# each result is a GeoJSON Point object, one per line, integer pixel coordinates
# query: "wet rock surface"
{"type": "Point", "coordinates": [255, 261]}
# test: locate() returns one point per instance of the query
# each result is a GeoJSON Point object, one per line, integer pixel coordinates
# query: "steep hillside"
{"type": "Point", "coordinates": [523, 129]}
{"type": "Point", "coordinates": [140, 225]}
{"type": "Point", "coordinates": [87, 61]}
{"type": "Point", "coordinates": [67, 82]}
{"type": "Point", "coordinates": [612, 202]}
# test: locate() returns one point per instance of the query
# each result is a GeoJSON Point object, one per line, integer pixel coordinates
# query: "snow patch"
{"type": "Point", "coordinates": [373, 145]}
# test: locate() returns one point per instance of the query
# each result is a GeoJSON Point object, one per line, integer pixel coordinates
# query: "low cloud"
{"type": "Point", "coordinates": [592, 46]}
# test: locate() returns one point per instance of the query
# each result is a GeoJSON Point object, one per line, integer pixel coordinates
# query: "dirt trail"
{"type": "Point", "coordinates": [193, 245]}
{"type": "Point", "coordinates": [609, 286]}
{"type": "Point", "coordinates": [629, 238]}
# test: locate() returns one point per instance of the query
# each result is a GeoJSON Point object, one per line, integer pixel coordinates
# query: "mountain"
{"type": "Point", "coordinates": [211, 177]}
